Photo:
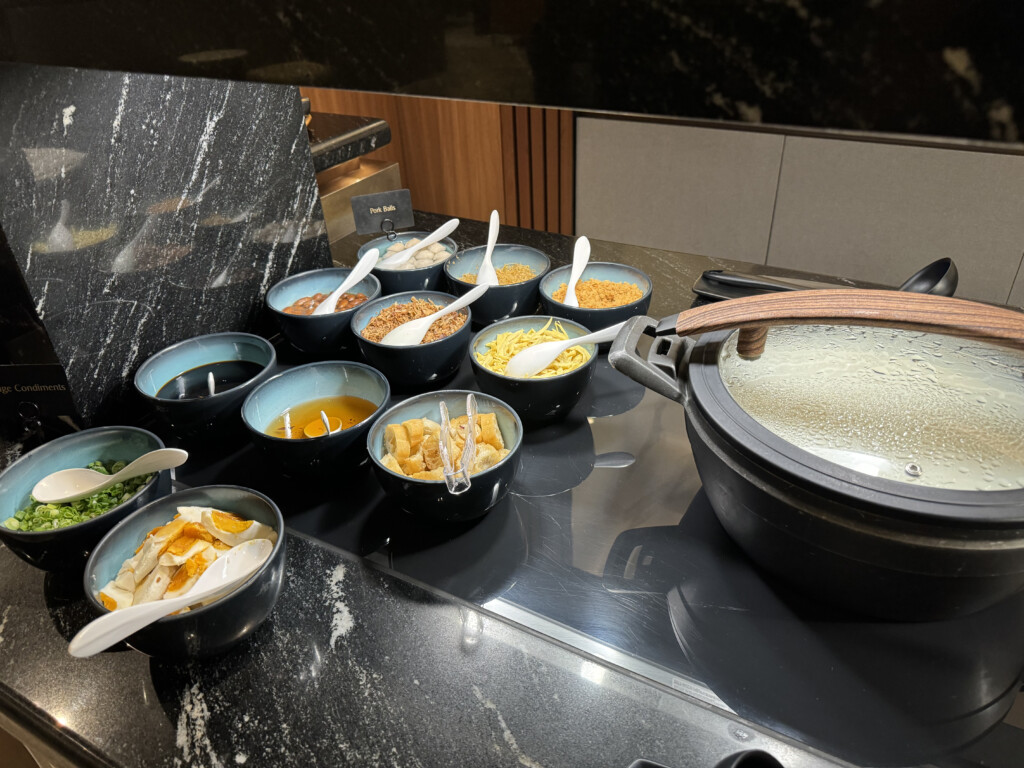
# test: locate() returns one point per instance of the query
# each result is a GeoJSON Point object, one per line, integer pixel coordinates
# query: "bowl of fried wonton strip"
{"type": "Point", "coordinates": [159, 552]}
{"type": "Point", "coordinates": [404, 445]}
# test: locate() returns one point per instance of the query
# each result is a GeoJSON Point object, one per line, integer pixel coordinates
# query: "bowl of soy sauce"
{"type": "Point", "coordinates": [196, 387]}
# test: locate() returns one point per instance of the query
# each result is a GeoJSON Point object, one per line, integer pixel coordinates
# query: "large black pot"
{"type": "Point", "coordinates": [879, 546]}
{"type": "Point", "coordinates": [866, 691]}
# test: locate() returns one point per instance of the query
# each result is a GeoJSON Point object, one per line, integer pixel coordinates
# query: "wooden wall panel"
{"type": "Point", "coordinates": [567, 172]}
{"type": "Point", "coordinates": [538, 171]}
{"type": "Point", "coordinates": [552, 190]}
{"type": "Point", "coordinates": [466, 158]}
{"type": "Point", "coordinates": [508, 157]}
{"type": "Point", "coordinates": [523, 166]}
{"type": "Point", "coordinates": [450, 152]}
{"type": "Point", "coordinates": [544, 166]}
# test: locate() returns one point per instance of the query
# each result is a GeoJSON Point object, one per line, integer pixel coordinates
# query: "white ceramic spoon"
{"type": "Point", "coordinates": [60, 238]}
{"type": "Point", "coordinates": [538, 357]}
{"type": "Point", "coordinates": [78, 482]}
{"type": "Point", "coordinates": [486, 275]}
{"type": "Point", "coordinates": [580, 257]}
{"type": "Point", "coordinates": [361, 270]}
{"type": "Point", "coordinates": [390, 262]}
{"type": "Point", "coordinates": [227, 571]}
{"type": "Point", "coordinates": [412, 332]}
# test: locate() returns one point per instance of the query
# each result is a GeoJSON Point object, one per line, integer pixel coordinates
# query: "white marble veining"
{"type": "Point", "coordinates": [168, 182]}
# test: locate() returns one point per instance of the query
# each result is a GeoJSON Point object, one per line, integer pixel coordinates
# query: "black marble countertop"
{"type": "Point", "coordinates": [354, 667]}
{"type": "Point", "coordinates": [358, 665]}
{"type": "Point", "coordinates": [334, 139]}
{"type": "Point", "coordinates": [379, 656]}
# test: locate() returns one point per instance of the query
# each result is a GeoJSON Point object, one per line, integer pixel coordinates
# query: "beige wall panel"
{"type": "Point", "coordinates": [677, 188]}
{"type": "Point", "coordinates": [879, 212]}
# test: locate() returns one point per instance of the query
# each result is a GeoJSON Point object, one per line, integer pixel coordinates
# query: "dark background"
{"type": "Point", "coordinates": [947, 69]}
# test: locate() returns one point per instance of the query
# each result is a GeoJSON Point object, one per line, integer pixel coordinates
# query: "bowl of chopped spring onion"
{"type": "Point", "coordinates": [59, 537]}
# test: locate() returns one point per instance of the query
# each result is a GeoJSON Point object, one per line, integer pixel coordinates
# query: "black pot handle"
{"type": "Point", "coordinates": [624, 357]}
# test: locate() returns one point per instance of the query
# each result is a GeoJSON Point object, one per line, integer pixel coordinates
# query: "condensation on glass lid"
{"type": "Point", "coordinates": [919, 408]}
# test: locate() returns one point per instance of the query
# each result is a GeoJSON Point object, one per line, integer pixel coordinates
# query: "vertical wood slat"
{"type": "Point", "coordinates": [567, 171]}
{"type": "Point", "coordinates": [552, 192]}
{"type": "Point", "coordinates": [523, 166]}
{"type": "Point", "coordinates": [510, 212]}
{"type": "Point", "coordinates": [538, 187]}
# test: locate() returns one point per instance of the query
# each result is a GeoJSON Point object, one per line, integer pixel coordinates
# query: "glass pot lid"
{"type": "Point", "coordinates": [915, 407]}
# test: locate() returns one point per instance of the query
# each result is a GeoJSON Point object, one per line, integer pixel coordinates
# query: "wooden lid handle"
{"type": "Point", "coordinates": [892, 309]}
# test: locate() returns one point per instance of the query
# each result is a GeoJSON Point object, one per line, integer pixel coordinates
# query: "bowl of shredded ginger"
{"type": "Point", "coordinates": [548, 395]}
{"type": "Point", "coordinates": [59, 537]}
{"type": "Point", "coordinates": [519, 269]}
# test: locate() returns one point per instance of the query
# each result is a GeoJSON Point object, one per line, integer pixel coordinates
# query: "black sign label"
{"type": "Point", "coordinates": [44, 386]}
{"type": "Point", "coordinates": [382, 212]}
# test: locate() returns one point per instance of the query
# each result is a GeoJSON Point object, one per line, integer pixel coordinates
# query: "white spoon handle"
{"type": "Point", "coordinates": [361, 270]}
{"type": "Point", "coordinates": [459, 303]}
{"type": "Point", "coordinates": [605, 334]}
{"type": "Point", "coordinates": [229, 570]}
{"type": "Point", "coordinates": [160, 459]}
{"type": "Point", "coordinates": [580, 258]}
{"type": "Point", "coordinates": [113, 627]}
{"type": "Point", "coordinates": [55, 488]}
{"type": "Point", "coordinates": [436, 236]}
{"type": "Point", "coordinates": [486, 272]}
{"type": "Point", "coordinates": [538, 357]}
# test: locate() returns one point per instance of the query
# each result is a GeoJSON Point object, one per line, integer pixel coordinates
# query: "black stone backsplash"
{"type": "Point", "coordinates": [142, 210]}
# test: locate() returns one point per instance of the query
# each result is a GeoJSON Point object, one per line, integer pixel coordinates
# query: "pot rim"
{"type": "Point", "coordinates": [921, 504]}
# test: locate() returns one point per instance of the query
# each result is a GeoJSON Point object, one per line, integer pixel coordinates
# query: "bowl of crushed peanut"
{"type": "Point", "coordinates": [608, 293]}
{"type": "Point", "coordinates": [519, 269]}
{"type": "Point", "coordinates": [417, 367]}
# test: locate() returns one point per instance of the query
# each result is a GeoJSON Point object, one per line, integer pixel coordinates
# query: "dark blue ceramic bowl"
{"type": "Point", "coordinates": [213, 628]}
{"type": "Point", "coordinates": [430, 498]}
{"type": "Point", "coordinates": [419, 367]}
{"type": "Point", "coordinates": [401, 280]}
{"type": "Point", "coordinates": [207, 417]}
{"type": "Point", "coordinates": [311, 382]}
{"type": "Point", "coordinates": [537, 401]}
{"type": "Point", "coordinates": [67, 548]}
{"type": "Point", "coordinates": [500, 301]}
{"type": "Point", "coordinates": [597, 319]}
{"type": "Point", "coordinates": [318, 335]}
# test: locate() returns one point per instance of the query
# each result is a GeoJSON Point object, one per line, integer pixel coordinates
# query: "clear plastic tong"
{"type": "Point", "coordinates": [457, 479]}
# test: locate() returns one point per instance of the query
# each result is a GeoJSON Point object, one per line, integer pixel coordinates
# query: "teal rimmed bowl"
{"type": "Point", "coordinates": [415, 367]}
{"type": "Point", "coordinates": [430, 498]}
{"type": "Point", "coordinates": [537, 401]}
{"type": "Point", "coordinates": [500, 301]}
{"type": "Point", "coordinates": [402, 280]}
{"type": "Point", "coordinates": [212, 628]}
{"type": "Point", "coordinates": [67, 548]}
{"type": "Point", "coordinates": [597, 319]}
{"type": "Point", "coordinates": [309, 456]}
{"type": "Point", "coordinates": [213, 416]}
{"type": "Point", "coordinates": [318, 335]}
